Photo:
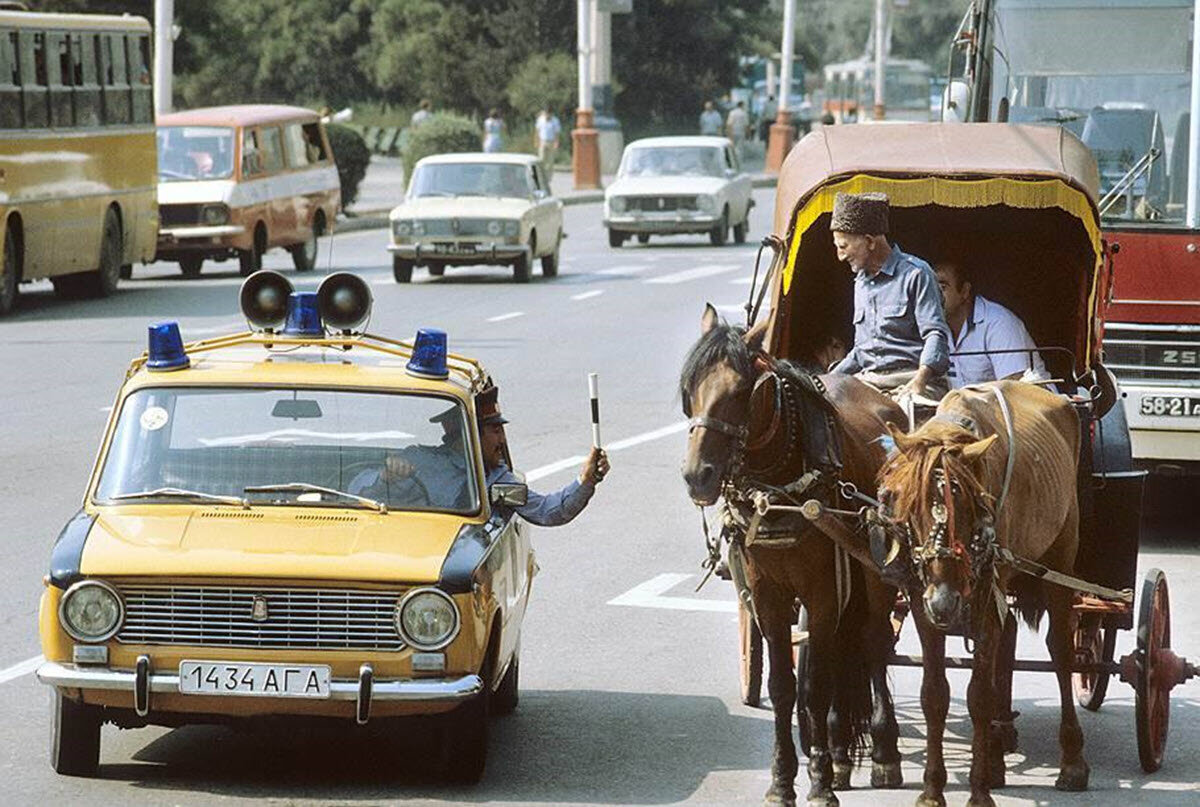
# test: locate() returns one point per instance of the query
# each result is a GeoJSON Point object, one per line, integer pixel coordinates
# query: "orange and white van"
{"type": "Point", "coordinates": [239, 180]}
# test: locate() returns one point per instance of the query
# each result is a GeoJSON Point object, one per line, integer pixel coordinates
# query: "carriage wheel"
{"type": "Point", "coordinates": [750, 642]}
{"type": "Point", "coordinates": [1152, 706]}
{"type": "Point", "coordinates": [1094, 644]}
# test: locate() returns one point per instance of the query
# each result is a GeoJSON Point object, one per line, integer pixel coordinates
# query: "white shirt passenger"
{"type": "Point", "coordinates": [991, 326]}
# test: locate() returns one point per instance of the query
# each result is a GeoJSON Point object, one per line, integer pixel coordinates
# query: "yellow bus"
{"type": "Point", "coordinates": [77, 154]}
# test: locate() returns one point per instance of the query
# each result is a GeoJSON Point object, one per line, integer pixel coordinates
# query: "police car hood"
{"type": "Point", "coordinates": [270, 542]}
{"type": "Point", "coordinates": [464, 207]}
{"type": "Point", "coordinates": [665, 186]}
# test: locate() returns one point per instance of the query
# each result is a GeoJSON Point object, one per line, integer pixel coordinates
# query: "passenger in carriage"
{"type": "Point", "coordinates": [901, 340]}
{"type": "Point", "coordinates": [977, 323]}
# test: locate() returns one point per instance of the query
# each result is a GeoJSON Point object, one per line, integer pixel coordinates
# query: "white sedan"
{"type": "Point", "coordinates": [671, 185]}
{"type": "Point", "coordinates": [469, 209]}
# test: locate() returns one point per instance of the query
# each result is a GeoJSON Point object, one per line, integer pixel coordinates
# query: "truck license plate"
{"type": "Point", "coordinates": [263, 680]}
{"type": "Point", "coordinates": [1170, 406]}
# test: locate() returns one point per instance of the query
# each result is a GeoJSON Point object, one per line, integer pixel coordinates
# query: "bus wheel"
{"type": "Point", "coordinates": [103, 281]}
{"type": "Point", "coordinates": [8, 272]}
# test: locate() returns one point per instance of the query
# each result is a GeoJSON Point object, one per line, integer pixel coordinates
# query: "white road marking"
{"type": "Point", "coordinates": [694, 274]}
{"type": "Point", "coordinates": [509, 315]}
{"type": "Point", "coordinates": [229, 327]}
{"type": "Point", "coordinates": [742, 281]}
{"type": "Point", "coordinates": [106, 409]}
{"type": "Point", "coordinates": [650, 595]}
{"type": "Point", "coordinates": [622, 270]}
{"type": "Point", "coordinates": [628, 442]}
{"type": "Point", "coordinates": [587, 294]}
{"type": "Point", "coordinates": [24, 668]}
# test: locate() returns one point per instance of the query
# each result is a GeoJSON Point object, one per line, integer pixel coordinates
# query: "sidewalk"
{"type": "Point", "coordinates": [383, 188]}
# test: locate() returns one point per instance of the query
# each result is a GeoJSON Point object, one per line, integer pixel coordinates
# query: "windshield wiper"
{"type": "Point", "coordinates": [305, 487]}
{"type": "Point", "coordinates": [437, 193]}
{"type": "Point", "coordinates": [180, 493]}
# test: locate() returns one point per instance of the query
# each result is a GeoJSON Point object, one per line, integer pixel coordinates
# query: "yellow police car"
{"type": "Point", "coordinates": [289, 521]}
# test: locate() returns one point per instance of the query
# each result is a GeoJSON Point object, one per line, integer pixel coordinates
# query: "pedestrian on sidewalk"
{"type": "Point", "coordinates": [710, 120]}
{"type": "Point", "coordinates": [546, 130]}
{"type": "Point", "coordinates": [493, 132]}
{"type": "Point", "coordinates": [424, 110]}
{"type": "Point", "coordinates": [736, 125]}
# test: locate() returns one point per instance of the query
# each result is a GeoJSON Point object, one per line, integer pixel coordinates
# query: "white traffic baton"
{"type": "Point", "coordinates": [594, 392]}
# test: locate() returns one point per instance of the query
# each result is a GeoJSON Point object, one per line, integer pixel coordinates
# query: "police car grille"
{"type": "Point", "coordinates": [178, 215]}
{"type": "Point", "coordinates": [306, 618]}
{"type": "Point", "coordinates": [664, 203]}
{"type": "Point", "coordinates": [1168, 354]}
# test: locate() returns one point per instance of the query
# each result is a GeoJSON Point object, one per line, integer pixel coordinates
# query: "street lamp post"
{"type": "Point", "coordinates": [585, 146]}
{"type": "Point", "coordinates": [783, 134]}
{"type": "Point", "coordinates": [880, 57]}
{"type": "Point", "coordinates": [164, 54]}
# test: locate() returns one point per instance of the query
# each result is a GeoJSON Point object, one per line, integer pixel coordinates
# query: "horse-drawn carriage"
{"type": "Point", "coordinates": [1019, 204]}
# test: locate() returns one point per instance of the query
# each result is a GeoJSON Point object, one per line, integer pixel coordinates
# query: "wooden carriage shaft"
{"type": "Point", "coordinates": [1019, 665]}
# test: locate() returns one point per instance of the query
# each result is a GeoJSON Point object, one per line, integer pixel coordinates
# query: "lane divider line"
{"type": "Point", "coordinates": [651, 595]}
{"type": "Point", "coordinates": [587, 294]}
{"type": "Point", "coordinates": [694, 274]}
{"type": "Point", "coordinates": [23, 668]}
{"type": "Point", "coordinates": [623, 270]}
{"type": "Point", "coordinates": [509, 315]}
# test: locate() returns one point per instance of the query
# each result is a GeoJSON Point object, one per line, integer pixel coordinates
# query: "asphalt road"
{"type": "Point", "coordinates": [629, 677]}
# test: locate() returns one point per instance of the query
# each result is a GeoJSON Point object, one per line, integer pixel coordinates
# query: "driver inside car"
{"type": "Point", "coordinates": [420, 474]}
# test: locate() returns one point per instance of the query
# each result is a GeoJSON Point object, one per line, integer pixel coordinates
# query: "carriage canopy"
{"type": "Point", "coordinates": [1015, 205]}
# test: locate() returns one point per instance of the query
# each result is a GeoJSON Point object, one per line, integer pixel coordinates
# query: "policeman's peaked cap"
{"type": "Point", "coordinates": [487, 407]}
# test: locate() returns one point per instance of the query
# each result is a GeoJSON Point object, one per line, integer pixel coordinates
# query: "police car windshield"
{"type": "Point", "coordinates": [471, 179]}
{"type": "Point", "coordinates": [194, 152]}
{"type": "Point", "coordinates": [671, 161]}
{"type": "Point", "coordinates": [292, 447]}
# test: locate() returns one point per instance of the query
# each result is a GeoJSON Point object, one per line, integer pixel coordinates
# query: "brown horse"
{"type": "Point", "coordinates": [993, 471]}
{"type": "Point", "coordinates": [733, 391]}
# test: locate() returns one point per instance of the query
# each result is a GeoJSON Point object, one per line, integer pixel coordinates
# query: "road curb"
{"type": "Point", "coordinates": [378, 219]}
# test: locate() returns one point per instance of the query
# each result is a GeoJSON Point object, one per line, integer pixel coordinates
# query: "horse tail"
{"type": "Point", "coordinates": [852, 687]}
{"type": "Point", "coordinates": [1031, 600]}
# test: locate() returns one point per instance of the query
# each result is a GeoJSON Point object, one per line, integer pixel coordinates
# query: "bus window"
{"type": "Point", "coordinates": [60, 73]}
{"type": "Point", "coordinates": [85, 86]}
{"type": "Point", "coordinates": [297, 146]}
{"type": "Point", "coordinates": [271, 143]}
{"type": "Point", "coordinates": [315, 143]}
{"type": "Point", "coordinates": [139, 78]}
{"type": "Point", "coordinates": [116, 79]}
{"type": "Point", "coordinates": [10, 82]}
{"type": "Point", "coordinates": [33, 79]}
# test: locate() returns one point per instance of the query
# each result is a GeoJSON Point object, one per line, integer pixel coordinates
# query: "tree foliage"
{"type": "Point", "coordinates": [544, 80]}
{"type": "Point", "coordinates": [443, 133]}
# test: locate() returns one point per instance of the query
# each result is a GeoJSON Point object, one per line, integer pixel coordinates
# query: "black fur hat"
{"type": "Point", "coordinates": [860, 213]}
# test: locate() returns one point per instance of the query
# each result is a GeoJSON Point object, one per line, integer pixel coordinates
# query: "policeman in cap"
{"type": "Point", "coordinates": [546, 510]}
{"type": "Point", "coordinates": [901, 340]}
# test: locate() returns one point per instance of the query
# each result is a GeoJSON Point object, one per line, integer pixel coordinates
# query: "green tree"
{"type": "Point", "coordinates": [544, 81]}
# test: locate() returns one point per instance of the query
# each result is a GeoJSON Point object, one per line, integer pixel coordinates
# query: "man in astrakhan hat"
{"type": "Point", "coordinates": [901, 340]}
{"type": "Point", "coordinates": [545, 510]}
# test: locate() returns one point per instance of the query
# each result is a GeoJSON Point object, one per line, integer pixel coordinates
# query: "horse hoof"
{"type": "Point", "coordinates": [776, 799]}
{"type": "Point", "coordinates": [1073, 779]}
{"type": "Point", "coordinates": [996, 778]}
{"type": "Point", "coordinates": [982, 800]}
{"type": "Point", "coordinates": [824, 800]}
{"type": "Point", "coordinates": [930, 800]}
{"type": "Point", "coordinates": [841, 775]}
{"type": "Point", "coordinates": [886, 775]}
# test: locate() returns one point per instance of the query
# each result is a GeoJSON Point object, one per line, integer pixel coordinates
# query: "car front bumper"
{"type": "Point", "coordinates": [663, 223]}
{"type": "Point", "coordinates": [483, 253]}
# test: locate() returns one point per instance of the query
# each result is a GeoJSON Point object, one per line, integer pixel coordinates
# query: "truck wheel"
{"type": "Point", "coordinates": [402, 270]}
{"type": "Point", "coordinates": [74, 737]}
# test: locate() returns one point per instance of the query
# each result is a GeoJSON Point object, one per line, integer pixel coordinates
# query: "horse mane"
{"type": "Point", "coordinates": [723, 343]}
{"type": "Point", "coordinates": [908, 474]}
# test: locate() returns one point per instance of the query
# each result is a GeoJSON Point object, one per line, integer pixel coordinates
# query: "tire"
{"type": "Point", "coordinates": [616, 238]}
{"type": "Point", "coordinates": [304, 256]}
{"type": "Point", "coordinates": [550, 262]}
{"type": "Point", "coordinates": [9, 273]}
{"type": "Point", "coordinates": [402, 270]}
{"type": "Point", "coordinates": [190, 266]}
{"type": "Point", "coordinates": [437, 269]}
{"type": "Point", "coordinates": [103, 281]}
{"type": "Point", "coordinates": [126, 271]}
{"type": "Point", "coordinates": [465, 741]}
{"type": "Point", "coordinates": [521, 266]}
{"type": "Point", "coordinates": [739, 231]}
{"type": "Point", "coordinates": [719, 234]}
{"type": "Point", "coordinates": [74, 737]}
{"type": "Point", "coordinates": [250, 260]}
{"type": "Point", "coordinates": [643, 238]}
{"type": "Point", "coordinates": [504, 702]}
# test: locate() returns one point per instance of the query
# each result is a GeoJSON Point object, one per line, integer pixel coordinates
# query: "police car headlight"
{"type": "Point", "coordinates": [617, 204]}
{"type": "Point", "coordinates": [214, 215]}
{"type": "Point", "coordinates": [706, 203]}
{"type": "Point", "coordinates": [427, 619]}
{"type": "Point", "coordinates": [418, 228]}
{"type": "Point", "coordinates": [91, 611]}
{"type": "Point", "coordinates": [401, 229]}
{"type": "Point", "coordinates": [495, 227]}
{"type": "Point", "coordinates": [512, 228]}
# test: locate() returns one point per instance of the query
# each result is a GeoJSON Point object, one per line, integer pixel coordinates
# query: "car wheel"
{"type": "Point", "coordinates": [615, 238]}
{"type": "Point", "coordinates": [250, 260]}
{"type": "Point", "coordinates": [437, 269]}
{"type": "Point", "coordinates": [507, 695]}
{"type": "Point", "coordinates": [521, 265]}
{"type": "Point", "coordinates": [402, 270]}
{"type": "Point", "coordinates": [465, 742]}
{"type": "Point", "coordinates": [74, 737]}
{"type": "Point", "coordinates": [719, 233]}
{"type": "Point", "coordinates": [739, 231]}
{"type": "Point", "coordinates": [190, 266]}
{"type": "Point", "coordinates": [126, 271]}
{"type": "Point", "coordinates": [643, 238]}
{"type": "Point", "coordinates": [9, 273]}
{"type": "Point", "coordinates": [304, 256]}
{"type": "Point", "coordinates": [550, 262]}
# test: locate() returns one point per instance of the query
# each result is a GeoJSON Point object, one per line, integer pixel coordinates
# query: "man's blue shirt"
{"type": "Point", "coordinates": [545, 510]}
{"type": "Point", "coordinates": [899, 323]}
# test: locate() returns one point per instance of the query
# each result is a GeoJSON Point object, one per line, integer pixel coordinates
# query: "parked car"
{"type": "Point", "coordinates": [236, 181]}
{"type": "Point", "coordinates": [248, 545]}
{"type": "Point", "coordinates": [471, 209]}
{"type": "Point", "coordinates": [672, 185]}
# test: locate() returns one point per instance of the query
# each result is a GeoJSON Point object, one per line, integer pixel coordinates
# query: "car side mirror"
{"type": "Point", "coordinates": [508, 494]}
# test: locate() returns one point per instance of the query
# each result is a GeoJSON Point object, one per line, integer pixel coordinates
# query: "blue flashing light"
{"type": "Point", "coordinates": [303, 318]}
{"type": "Point", "coordinates": [429, 354]}
{"type": "Point", "coordinates": [166, 348]}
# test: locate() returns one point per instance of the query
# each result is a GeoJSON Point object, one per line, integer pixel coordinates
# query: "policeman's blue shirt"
{"type": "Point", "coordinates": [991, 326]}
{"type": "Point", "coordinates": [545, 510]}
{"type": "Point", "coordinates": [442, 469]}
{"type": "Point", "coordinates": [899, 322]}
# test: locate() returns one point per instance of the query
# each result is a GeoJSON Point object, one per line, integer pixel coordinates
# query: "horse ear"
{"type": "Point", "coordinates": [756, 336]}
{"type": "Point", "coordinates": [976, 450]}
{"type": "Point", "coordinates": [710, 319]}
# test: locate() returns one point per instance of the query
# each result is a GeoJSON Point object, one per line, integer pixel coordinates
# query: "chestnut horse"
{"type": "Point", "coordinates": [730, 389]}
{"type": "Point", "coordinates": [993, 471]}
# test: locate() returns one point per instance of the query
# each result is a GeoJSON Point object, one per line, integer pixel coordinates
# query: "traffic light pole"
{"type": "Point", "coordinates": [585, 145]}
{"type": "Point", "coordinates": [783, 134]}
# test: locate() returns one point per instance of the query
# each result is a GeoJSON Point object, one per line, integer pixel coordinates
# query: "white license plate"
{"type": "Point", "coordinates": [454, 249]}
{"type": "Point", "coordinates": [262, 680]}
{"type": "Point", "coordinates": [1179, 406]}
